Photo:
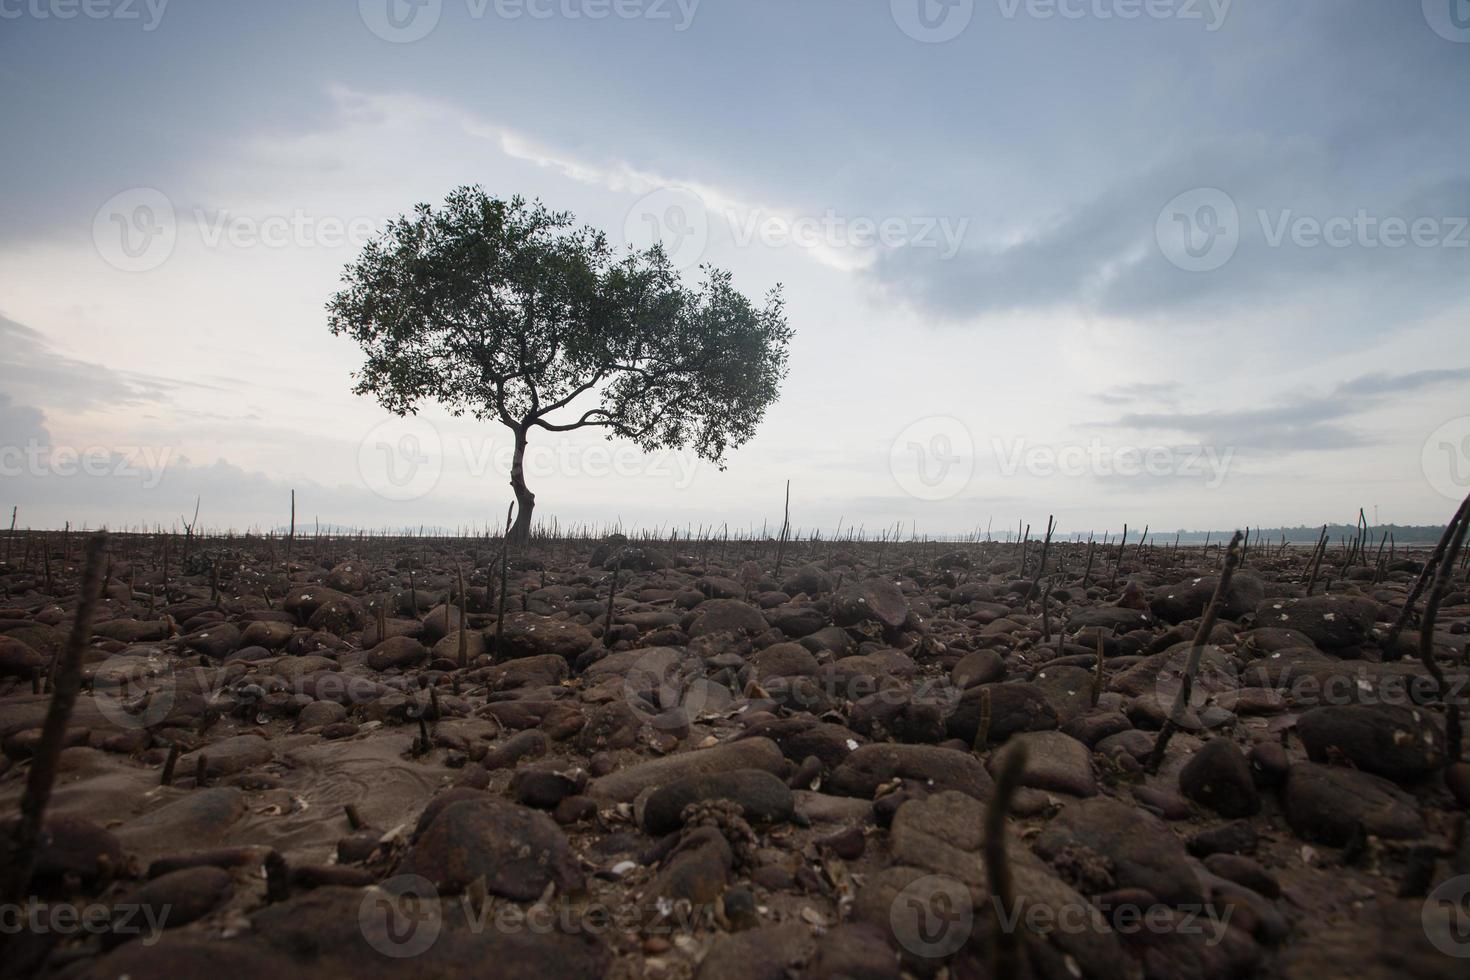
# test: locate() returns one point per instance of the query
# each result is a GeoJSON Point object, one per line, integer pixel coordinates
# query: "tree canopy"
{"type": "Point", "coordinates": [511, 312]}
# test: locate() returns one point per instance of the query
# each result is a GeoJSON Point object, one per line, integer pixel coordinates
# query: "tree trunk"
{"type": "Point", "coordinates": [520, 532]}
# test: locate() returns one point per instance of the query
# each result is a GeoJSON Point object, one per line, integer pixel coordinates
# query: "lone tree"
{"type": "Point", "coordinates": [507, 311]}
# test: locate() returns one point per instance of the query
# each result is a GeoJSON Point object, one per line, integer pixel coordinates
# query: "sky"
{"type": "Point", "coordinates": [1184, 263]}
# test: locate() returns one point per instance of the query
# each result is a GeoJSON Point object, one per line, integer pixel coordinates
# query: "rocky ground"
{"type": "Point", "coordinates": [341, 762]}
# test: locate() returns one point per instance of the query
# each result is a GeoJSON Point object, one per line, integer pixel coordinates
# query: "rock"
{"type": "Point", "coordinates": [1014, 707]}
{"type": "Point", "coordinates": [727, 616]}
{"type": "Point", "coordinates": [1095, 726]}
{"type": "Point", "coordinates": [979, 667]}
{"type": "Point", "coordinates": [1244, 871]}
{"type": "Point", "coordinates": [1219, 777]}
{"type": "Point", "coordinates": [614, 725]}
{"type": "Point", "coordinates": [543, 671]}
{"type": "Point", "coordinates": [797, 621]}
{"type": "Point", "coordinates": [1188, 946]}
{"type": "Point", "coordinates": [229, 756]}
{"type": "Point", "coordinates": [873, 601]}
{"type": "Point", "coordinates": [763, 797]}
{"type": "Point", "coordinates": [766, 953]}
{"type": "Point", "coordinates": [1269, 765]}
{"type": "Point", "coordinates": [130, 630]}
{"type": "Point", "coordinates": [1236, 837]}
{"type": "Point", "coordinates": [1188, 599]}
{"type": "Point", "coordinates": [1330, 805]}
{"type": "Point", "coordinates": [371, 933]}
{"type": "Point", "coordinates": [319, 713]}
{"type": "Point", "coordinates": [870, 766]}
{"type": "Point", "coordinates": [216, 641]}
{"type": "Point", "coordinates": [1137, 848]}
{"type": "Point", "coordinates": [68, 845]}
{"type": "Point", "coordinates": [800, 738]}
{"type": "Point", "coordinates": [784, 660]}
{"type": "Point", "coordinates": [397, 653]}
{"type": "Point", "coordinates": [17, 659]}
{"type": "Point", "coordinates": [519, 851]}
{"type": "Point", "coordinates": [1108, 618]}
{"type": "Point", "coordinates": [1399, 742]}
{"type": "Point", "coordinates": [530, 635]}
{"type": "Point", "coordinates": [545, 786]}
{"type": "Point", "coordinates": [348, 576]}
{"type": "Point", "coordinates": [1131, 742]}
{"type": "Point", "coordinates": [1054, 762]}
{"type": "Point", "coordinates": [896, 714]}
{"type": "Point", "coordinates": [936, 845]}
{"type": "Point", "coordinates": [809, 578]}
{"type": "Point", "coordinates": [1332, 622]}
{"type": "Point", "coordinates": [1067, 688]}
{"type": "Point", "coordinates": [751, 753]}
{"type": "Point", "coordinates": [171, 900]}
{"type": "Point", "coordinates": [1457, 778]}
{"type": "Point", "coordinates": [855, 951]}
{"type": "Point", "coordinates": [695, 872]}
{"type": "Point", "coordinates": [522, 745]}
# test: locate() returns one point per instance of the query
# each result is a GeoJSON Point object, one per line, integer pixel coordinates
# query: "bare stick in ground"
{"type": "Point", "coordinates": [1006, 951]}
{"type": "Point", "coordinates": [1196, 651]}
{"type": "Point", "coordinates": [1051, 525]}
{"type": "Point", "coordinates": [1321, 550]}
{"type": "Point", "coordinates": [612, 591]}
{"type": "Point", "coordinates": [1442, 576]}
{"type": "Point", "coordinates": [1391, 642]}
{"type": "Point", "coordinates": [785, 529]}
{"type": "Point", "coordinates": [66, 682]}
{"type": "Point", "coordinates": [1122, 544]}
{"type": "Point", "coordinates": [982, 730]}
{"type": "Point", "coordinates": [1097, 677]}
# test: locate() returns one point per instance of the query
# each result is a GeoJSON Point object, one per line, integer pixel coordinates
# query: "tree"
{"type": "Point", "coordinates": [505, 310]}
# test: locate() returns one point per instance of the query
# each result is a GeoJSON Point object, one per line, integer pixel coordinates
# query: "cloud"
{"type": "Point", "coordinates": [1302, 423]}
{"type": "Point", "coordinates": [44, 374]}
{"type": "Point", "coordinates": [1139, 391]}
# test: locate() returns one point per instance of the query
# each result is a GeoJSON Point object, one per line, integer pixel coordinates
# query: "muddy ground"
{"type": "Point", "coordinates": [338, 761]}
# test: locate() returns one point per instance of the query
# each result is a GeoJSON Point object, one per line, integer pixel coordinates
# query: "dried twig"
{"type": "Point", "coordinates": [1196, 651]}
{"type": "Point", "coordinates": [66, 683]}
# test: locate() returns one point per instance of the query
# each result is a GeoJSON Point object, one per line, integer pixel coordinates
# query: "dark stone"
{"type": "Point", "coordinates": [1142, 851]}
{"type": "Point", "coordinates": [518, 850]}
{"type": "Point", "coordinates": [1218, 776]}
{"type": "Point", "coordinates": [1399, 742]}
{"type": "Point", "coordinates": [1330, 805]}
{"type": "Point", "coordinates": [763, 797]}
